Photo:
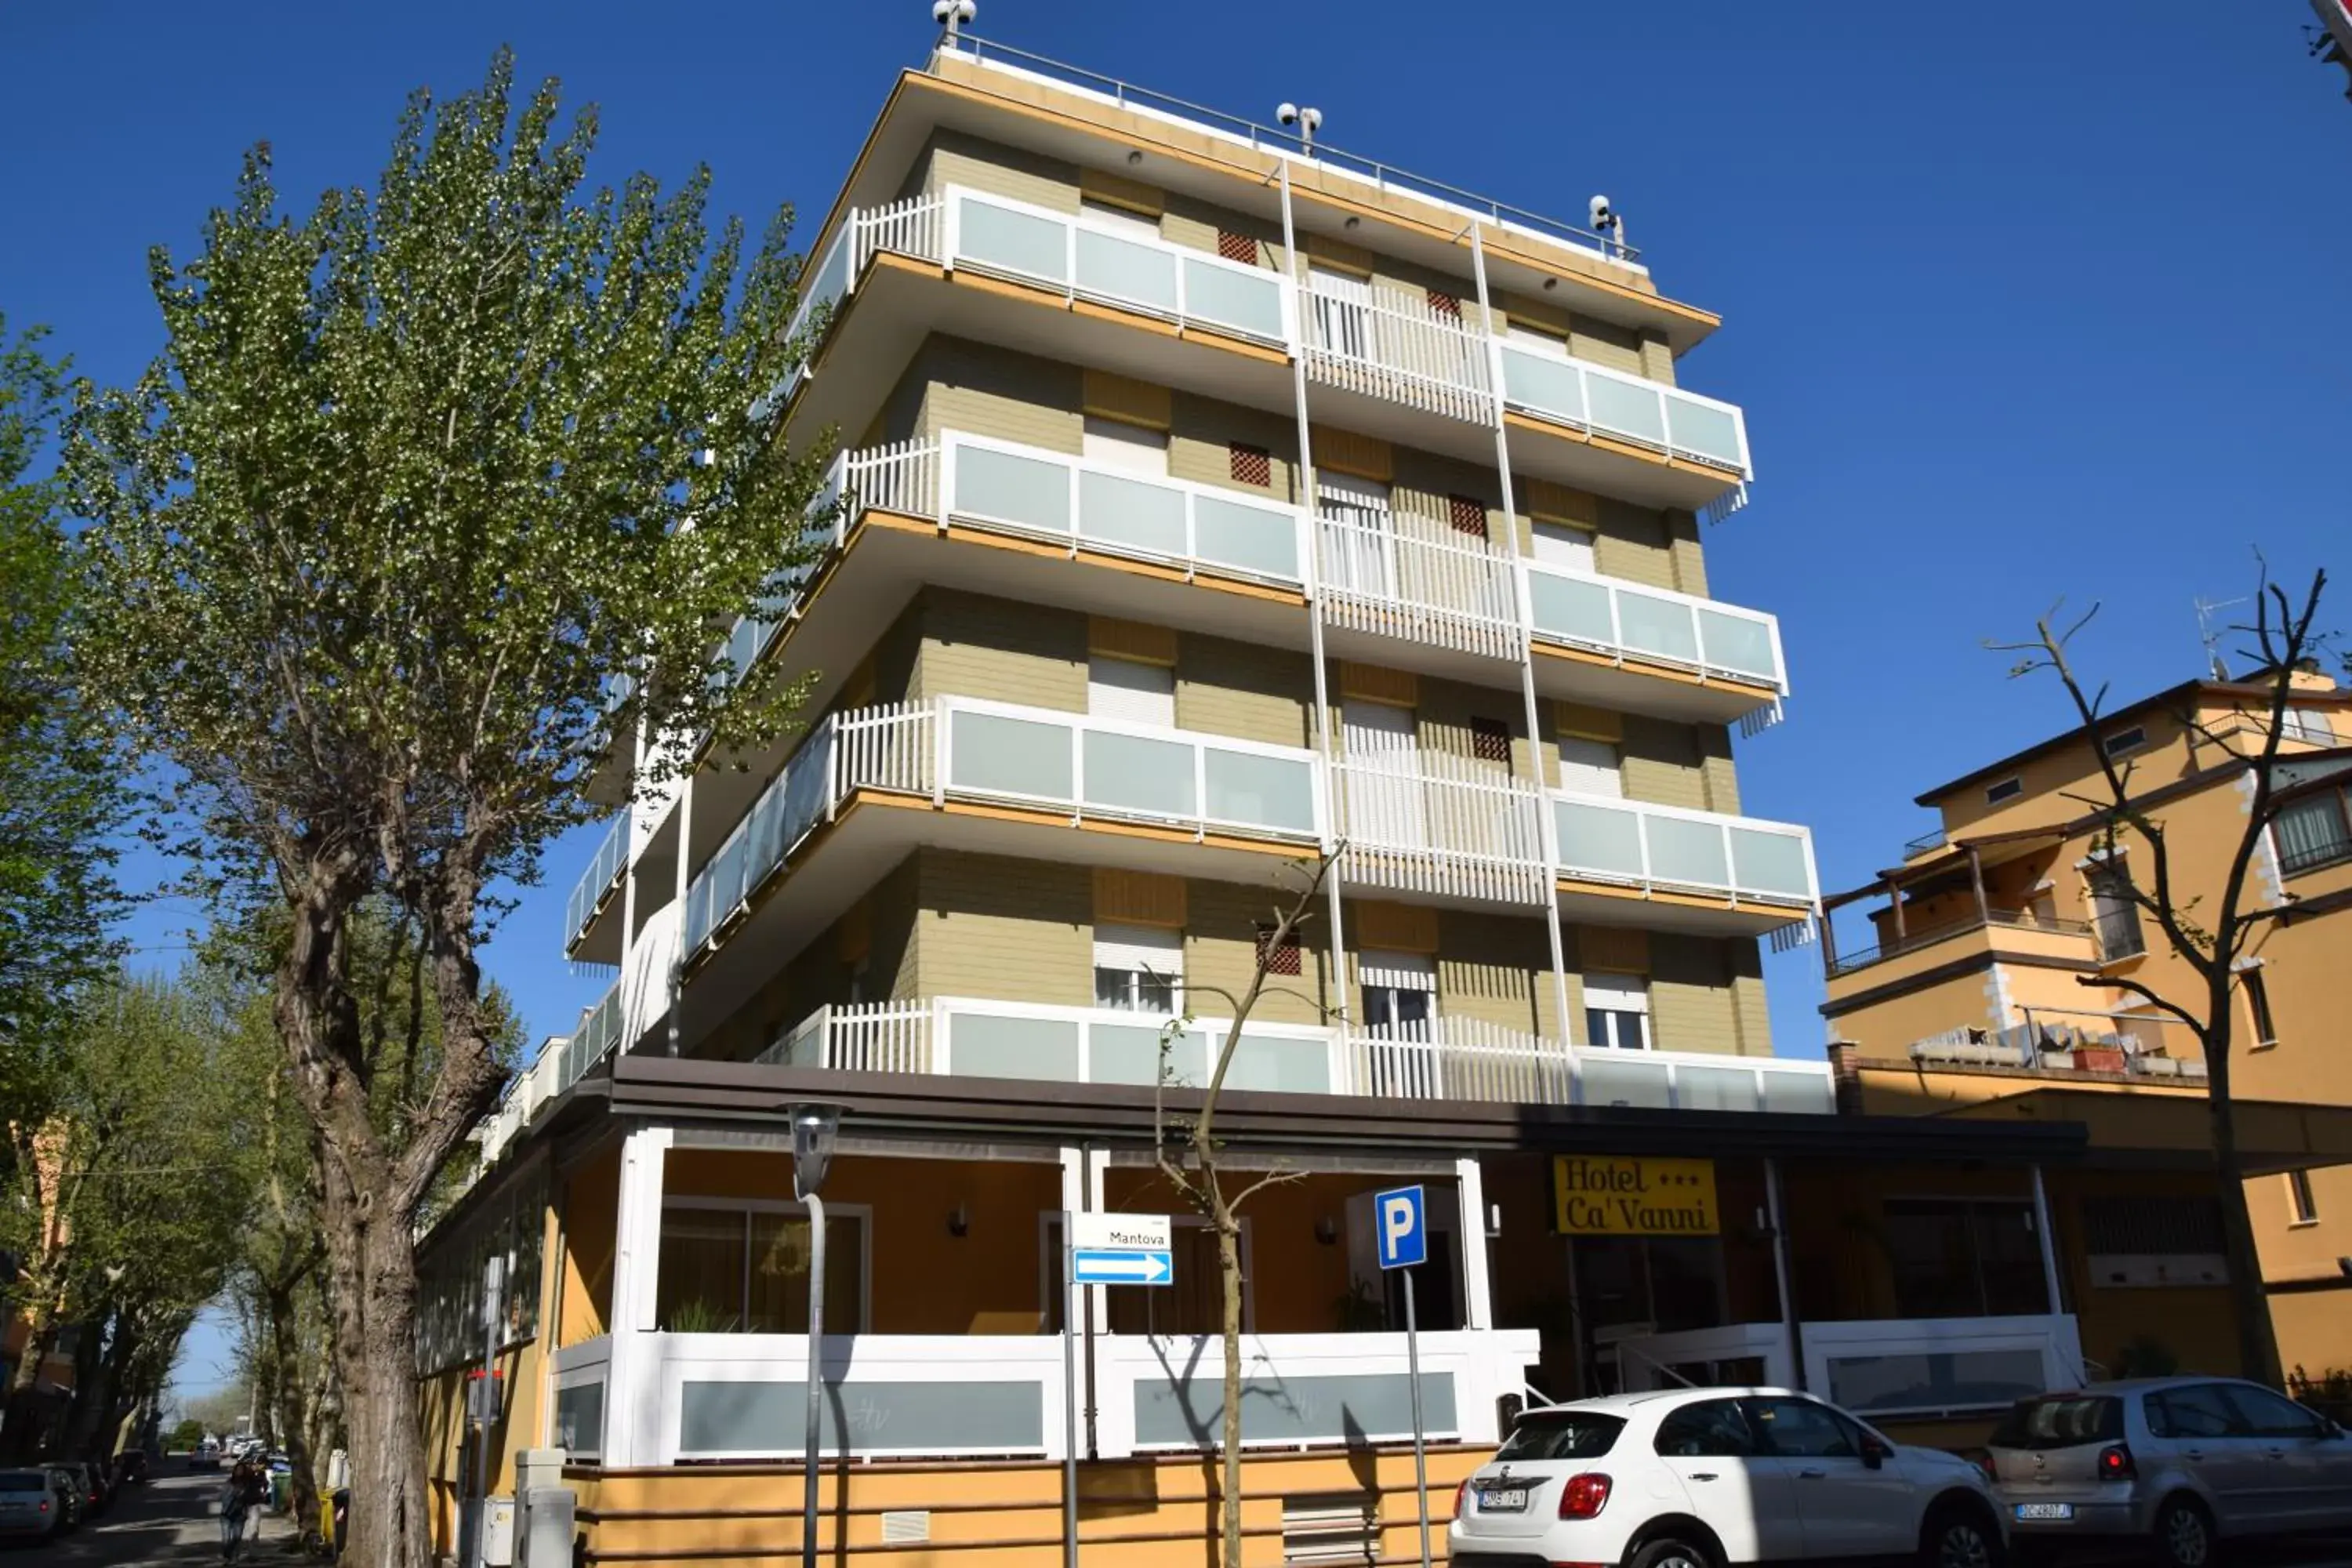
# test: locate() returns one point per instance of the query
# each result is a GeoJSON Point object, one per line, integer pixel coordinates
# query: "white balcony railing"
{"type": "Point", "coordinates": [1392, 346]}
{"type": "Point", "coordinates": [910, 228]}
{"type": "Point", "coordinates": [1654, 625]}
{"type": "Point", "coordinates": [1376, 574]}
{"type": "Point", "coordinates": [965, 749]}
{"type": "Point", "coordinates": [1444, 826]}
{"type": "Point", "coordinates": [605, 868]}
{"type": "Point", "coordinates": [1550, 385]}
{"type": "Point", "coordinates": [1667, 849]}
{"type": "Point", "coordinates": [1447, 1058]}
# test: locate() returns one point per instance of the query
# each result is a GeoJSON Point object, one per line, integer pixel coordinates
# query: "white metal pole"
{"type": "Point", "coordinates": [1069, 1401]}
{"type": "Point", "coordinates": [1420, 1447]}
{"type": "Point", "coordinates": [1773, 1209]}
{"type": "Point", "coordinates": [677, 967]}
{"type": "Point", "coordinates": [813, 1442]}
{"type": "Point", "coordinates": [2043, 1234]}
{"type": "Point", "coordinates": [493, 1282]}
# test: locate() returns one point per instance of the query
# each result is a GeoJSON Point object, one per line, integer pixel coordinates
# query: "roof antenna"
{"type": "Point", "coordinates": [2210, 635]}
{"type": "Point", "coordinates": [953, 14]}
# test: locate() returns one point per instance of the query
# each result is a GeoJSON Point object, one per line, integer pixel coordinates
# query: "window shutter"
{"type": "Point", "coordinates": [1622, 949]}
{"type": "Point", "coordinates": [1467, 514]}
{"type": "Point", "coordinates": [1549, 502]}
{"type": "Point", "coordinates": [1371, 683]}
{"type": "Point", "coordinates": [1137, 640]}
{"type": "Point", "coordinates": [1138, 898]}
{"type": "Point", "coordinates": [1251, 465]}
{"type": "Point", "coordinates": [1366, 457]}
{"type": "Point", "coordinates": [1241, 247]}
{"type": "Point", "coordinates": [1110, 396]}
{"type": "Point", "coordinates": [1395, 928]}
{"type": "Point", "coordinates": [1118, 191]}
{"type": "Point", "coordinates": [1587, 722]}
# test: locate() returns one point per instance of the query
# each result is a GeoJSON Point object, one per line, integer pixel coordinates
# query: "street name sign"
{"type": "Point", "coordinates": [1123, 1250]}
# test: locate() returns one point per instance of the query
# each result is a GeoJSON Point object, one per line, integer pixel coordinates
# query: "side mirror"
{"type": "Point", "coordinates": [1874, 1453]}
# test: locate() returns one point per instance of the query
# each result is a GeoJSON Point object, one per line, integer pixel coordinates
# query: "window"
{"type": "Point", "coordinates": [1250, 465]}
{"type": "Point", "coordinates": [1564, 545]}
{"type": "Point", "coordinates": [2258, 999]}
{"type": "Point", "coordinates": [2267, 1414]}
{"type": "Point", "coordinates": [1590, 767]}
{"type": "Point", "coordinates": [1711, 1429]}
{"type": "Point", "coordinates": [1801, 1429]}
{"type": "Point", "coordinates": [2115, 912]}
{"type": "Point", "coordinates": [1137, 967]}
{"type": "Point", "coordinates": [1490, 740]}
{"type": "Point", "coordinates": [1467, 514]}
{"type": "Point", "coordinates": [2200, 1410]}
{"type": "Point", "coordinates": [2152, 1226]}
{"type": "Point", "coordinates": [1955, 1257]}
{"type": "Point", "coordinates": [734, 1269]}
{"type": "Point", "coordinates": [2314, 831]}
{"type": "Point", "coordinates": [1341, 305]}
{"type": "Point", "coordinates": [1121, 220]}
{"type": "Point", "coordinates": [1283, 960]}
{"type": "Point", "coordinates": [1130, 691]}
{"type": "Point", "coordinates": [2299, 1199]}
{"type": "Point", "coordinates": [1617, 1012]}
{"type": "Point", "coordinates": [1130, 448]}
{"type": "Point", "coordinates": [1357, 528]}
{"type": "Point", "coordinates": [2124, 740]}
{"type": "Point", "coordinates": [1241, 247]}
{"type": "Point", "coordinates": [1561, 1435]}
{"type": "Point", "coordinates": [2006, 790]}
{"type": "Point", "coordinates": [2311, 724]}
{"type": "Point", "coordinates": [1399, 993]}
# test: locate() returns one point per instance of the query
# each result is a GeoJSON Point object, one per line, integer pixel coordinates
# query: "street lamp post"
{"type": "Point", "coordinates": [815, 1127]}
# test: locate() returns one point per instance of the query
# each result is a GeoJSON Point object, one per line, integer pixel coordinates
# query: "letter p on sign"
{"type": "Point", "coordinates": [1396, 1214]}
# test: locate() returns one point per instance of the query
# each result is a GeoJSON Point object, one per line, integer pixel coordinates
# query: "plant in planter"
{"type": "Point", "coordinates": [698, 1316]}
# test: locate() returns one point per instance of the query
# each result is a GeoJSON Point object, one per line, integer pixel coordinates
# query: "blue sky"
{"type": "Point", "coordinates": [2022, 299]}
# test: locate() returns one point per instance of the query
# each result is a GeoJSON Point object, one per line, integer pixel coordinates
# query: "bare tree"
{"type": "Point", "coordinates": [1186, 1151]}
{"type": "Point", "coordinates": [2209, 929]}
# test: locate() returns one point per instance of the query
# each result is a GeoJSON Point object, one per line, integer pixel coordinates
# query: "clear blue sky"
{"type": "Point", "coordinates": [2021, 298]}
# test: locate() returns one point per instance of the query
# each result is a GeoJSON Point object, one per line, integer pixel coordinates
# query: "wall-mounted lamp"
{"type": "Point", "coordinates": [1493, 1222]}
{"type": "Point", "coordinates": [958, 1221]}
{"type": "Point", "coordinates": [1551, 284]}
{"type": "Point", "coordinates": [1326, 1230]}
{"type": "Point", "coordinates": [1134, 156]}
{"type": "Point", "coordinates": [1353, 221]}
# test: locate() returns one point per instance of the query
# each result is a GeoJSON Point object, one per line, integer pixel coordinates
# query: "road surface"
{"type": "Point", "coordinates": [165, 1522]}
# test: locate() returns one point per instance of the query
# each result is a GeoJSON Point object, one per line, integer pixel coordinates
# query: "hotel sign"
{"type": "Point", "coordinates": [1607, 1195]}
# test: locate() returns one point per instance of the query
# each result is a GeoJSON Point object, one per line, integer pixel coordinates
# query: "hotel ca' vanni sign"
{"type": "Point", "coordinates": [1609, 1196]}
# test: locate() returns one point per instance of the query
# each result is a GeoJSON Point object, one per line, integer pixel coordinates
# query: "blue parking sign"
{"type": "Point", "coordinates": [1396, 1221]}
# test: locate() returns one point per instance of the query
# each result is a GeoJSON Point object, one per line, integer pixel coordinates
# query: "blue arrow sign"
{"type": "Point", "coordinates": [1122, 1267]}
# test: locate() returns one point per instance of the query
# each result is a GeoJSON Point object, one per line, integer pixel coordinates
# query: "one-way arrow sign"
{"type": "Point", "coordinates": [1155, 1268]}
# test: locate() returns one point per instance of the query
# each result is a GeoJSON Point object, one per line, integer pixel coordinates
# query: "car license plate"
{"type": "Point", "coordinates": [1503, 1500]}
{"type": "Point", "coordinates": [2045, 1511]}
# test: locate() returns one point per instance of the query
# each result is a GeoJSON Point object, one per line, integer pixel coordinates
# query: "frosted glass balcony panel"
{"type": "Point", "coordinates": [1631, 408]}
{"type": "Point", "coordinates": [1261, 792]}
{"type": "Point", "coordinates": [1771, 863]}
{"type": "Point", "coordinates": [1599, 840]}
{"type": "Point", "coordinates": [1660, 628]}
{"type": "Point", "coordinates": [985, 1046]}
{"type": "Point", "coordinates": [1625, 1079]}
{"type": "Point", "coordinates": [1688, 852]}
{"type": "Point", "coordinates": [1800, 1094]}
{"type": "Point", "coordinates": [1009, 756]}
{"type": "Point", "coordinates": [1739, 644]}
{"type": "Point", "coordinates": [1707, 430]}
{"type": "Point", "coordinates": [1549, 386]}
{"type": "Point", "coordinates": [1014, 241]}
{"type": "Point", "coordinates": [1571, 608]}
{"type": "Point", "coordinates": [1252, 538]}
{"type": "Point", "coordinates": [1131, 774]}
{"type": "Point", "coordinates": [1277, 1066]}
{"type": "Point", "coordinates": [1130, 1054]}
{"type": "Point", "coordinates": [1237, 298]}
{"type": "Point", "coordinates": [1134, 514]}
{"type": "Point", "coordinates": [1716, 1089]}
{"type": "Point", "coordinates": [1024, 490]}
{"type": "Point", "coordinates": [1123, 269]}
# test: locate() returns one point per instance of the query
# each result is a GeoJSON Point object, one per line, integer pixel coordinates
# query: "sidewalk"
{"type": "Point", "coordinates": [167, 1521]}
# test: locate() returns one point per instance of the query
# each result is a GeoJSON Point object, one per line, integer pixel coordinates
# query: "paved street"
{"type": "Point", "coordinates": [164, 1521]}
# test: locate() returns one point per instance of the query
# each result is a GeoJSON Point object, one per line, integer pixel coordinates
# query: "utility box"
{"type": "Point", "coordinates": [498, 1532]}
{"type": "Point", "coordinates": [548, 1526]}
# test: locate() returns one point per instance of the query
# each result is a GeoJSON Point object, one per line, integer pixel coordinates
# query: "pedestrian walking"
{"type": "Point", "coordinates": [240, 1495]}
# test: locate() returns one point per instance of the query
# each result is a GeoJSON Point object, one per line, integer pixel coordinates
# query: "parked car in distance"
{"type": "Point", "coordinates": [71, 1500]}
{"type": "Point", "coordinates": [29, 1505]}
{"type": "Point", "coordinates": [129, 1466]}
{"type": "Point", "coordinates": [2177, 1462]}
{"type": "Point", "coordinates": [95, 1493]}
{"type": "Point", "coordinates": [1702, 1477]}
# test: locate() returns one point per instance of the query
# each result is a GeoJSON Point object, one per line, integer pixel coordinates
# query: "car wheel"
{"type": "Point", "coordinates": [1959, 1537]}
{"type": "Point", "coordinates": [2184, 1534]}
{"type": "Point", "coordinates": [1671, 1552]}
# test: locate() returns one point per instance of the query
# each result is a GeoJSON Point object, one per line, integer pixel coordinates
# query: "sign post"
{"type": "Point", "coordinates": [1399, 1220]}
{"type": "Point", "coordinates": [1100, 1249]}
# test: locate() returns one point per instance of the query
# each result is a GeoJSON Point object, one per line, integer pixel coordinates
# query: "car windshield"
{"type": "Point", "coordinates": [23, 1482]}
{"type": "Point", "coordinates": [2061, 1421]}
{"type": "Point", "coordinates": [1561, 1435]}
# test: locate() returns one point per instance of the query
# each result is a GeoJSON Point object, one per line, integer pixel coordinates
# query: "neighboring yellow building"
{"type": "Point", "coordinates": [1998, 940]}
{"type": "Point", "coordinates": [1210, 502]}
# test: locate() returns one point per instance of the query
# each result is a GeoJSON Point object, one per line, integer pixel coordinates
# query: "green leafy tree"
{"type": "Point", "coordinates": [185, 1436]}
{"type": "Point", "coordinates": [418, 482]}
{"type": "Point", "coordinates": [59, 801]}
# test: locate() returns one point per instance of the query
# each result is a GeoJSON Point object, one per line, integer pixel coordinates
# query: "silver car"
{"type": "Point", "coordinates": [2177, 1461]}
{"type": "Point", "coordinates": [29, 1504]}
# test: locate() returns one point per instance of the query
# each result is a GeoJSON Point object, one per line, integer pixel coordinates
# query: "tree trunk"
{"type": "Point", "coordinates": [90, 1390]}
{"type": "Point", "coordinates": [374, 1273]}
{"type": "Point", "coordinates": [2257, 1345]}
{"type": "Point", "coordinates": [278, 1306]}
{"type": "Point", "coordinates": [20, 1430]}
{"type": "Point", "coordinates": [1229, 1269]}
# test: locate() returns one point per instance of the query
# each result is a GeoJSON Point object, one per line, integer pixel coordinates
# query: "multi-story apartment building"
{"type": "Point", "coordinates": [1999, 942]}
{"type": "Point", "coordinates": [1209, 504]}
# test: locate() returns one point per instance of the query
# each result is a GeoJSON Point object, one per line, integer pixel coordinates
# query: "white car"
{"type": "Point", "coordinates": [1703, 1478]}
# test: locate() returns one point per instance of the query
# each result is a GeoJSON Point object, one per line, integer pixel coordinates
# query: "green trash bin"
{"type": "Point", "coordinates": [280, 1484]}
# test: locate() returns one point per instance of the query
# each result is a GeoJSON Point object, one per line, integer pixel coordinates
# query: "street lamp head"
{"type": "Point", "coordinates": [815, 1127]}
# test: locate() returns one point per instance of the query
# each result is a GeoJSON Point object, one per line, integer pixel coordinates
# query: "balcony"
{"type": "Point", "coordinates": [1380, 579]}
{"type": "Point", "coordinates": [591, 892]}
{"type": "Point", "coordinates": [1610, 639]}
{"type": "Point", "coordinates": [2022, 932]}
{"type": "Point", "coordinates": [1448, 1059]}
{"type": "Point", "coordinates": [1390, 346]}
{"type": "Point", "coordinates": [1698, 870]}
{"type": "Point", "coordinates": [1064, 769]}
{"type": "Point", "coordinates": [1630, 426]}
{"type": "Point", "coordinates": [1449, 830]}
